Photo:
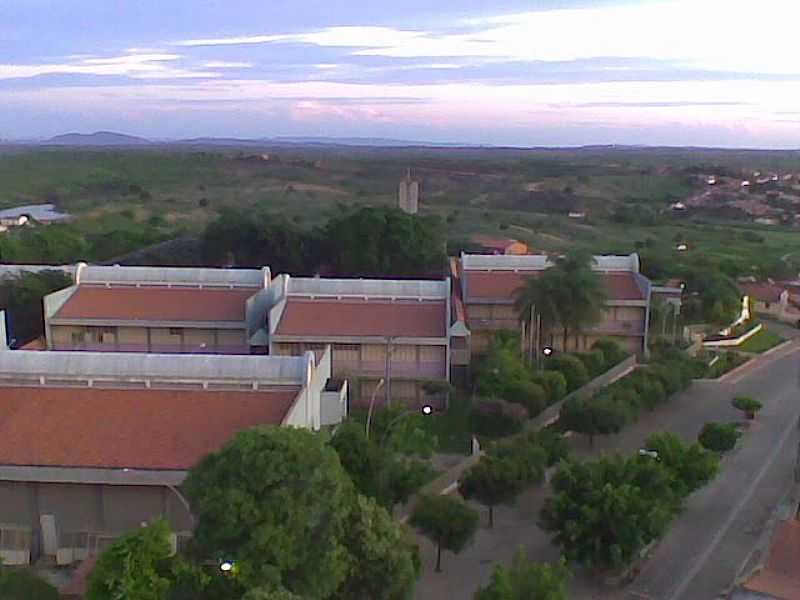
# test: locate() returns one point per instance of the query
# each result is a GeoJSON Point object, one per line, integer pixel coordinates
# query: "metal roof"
{"type": "Point", "coordinates": [539, 262]}
{"type": "Point", "coordinates": [199, 277]}
{"type": "Point", "coordinates": [371, 288]}
{"type": "Point", "coordinates": [279, 370]}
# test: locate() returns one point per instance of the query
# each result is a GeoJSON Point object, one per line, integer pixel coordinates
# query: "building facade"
{"type": "Point", "coordinates": [93, 444]}
{"type": "Point", "coordinates": [489, 283]}
{"type": "Point", "coordinates": [390, 330]}
{"type": "Point", "coordinates": [161, 310]}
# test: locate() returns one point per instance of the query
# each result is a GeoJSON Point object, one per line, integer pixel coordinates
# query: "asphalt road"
{"type": "Point", "coordinates": [705, 546]}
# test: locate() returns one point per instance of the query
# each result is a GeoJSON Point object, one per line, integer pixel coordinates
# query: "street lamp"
{"type": "Point", "coordinates": [177, 494]}
{"type": "Point", "coordinates": [547, 351]}
{"type": "Point", "coordinates": [226, 566]}
{"type": "Point", "coordinates": [372, 404]}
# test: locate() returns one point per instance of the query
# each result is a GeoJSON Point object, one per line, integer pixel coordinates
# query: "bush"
{"type": "Point", "coordinates": [612, 352]}
{"type": "Point", "coordinates": [554, 383]}
{"type": "Point", "coordinates": [497, 418]}
{"type": "Point", "coordinates": [571, 368]}
{"type": "Point", "coordinates": [526, 393]}
{"type": "Point", "coordinates": [719, 437]}
{"type": "Point", "coordinates": [25, 585]}
{"type": "Point", "coordinates": [749, 406]}
{"type": "Point", "coordinates": [594, 361]}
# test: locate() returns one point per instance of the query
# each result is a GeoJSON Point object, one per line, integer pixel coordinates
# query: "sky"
{"type": "Point", "coordinates": [537, 73]}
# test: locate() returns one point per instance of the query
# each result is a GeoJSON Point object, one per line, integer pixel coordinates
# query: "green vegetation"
{"type": "Point", "coordinates": [493, 481]}
{"type": "Point", "coordinates": [447, 522]}
{"type": "Point", "coordinates": [24, 584]}
{"type": "Point", "coordinates": [761, 342]}
{"type": "Point", "coordinates": [749, 406]}
{"type": "Point", "coordinates": [368, 242]}
{"type": "Point", "coordinates": [492, 417]}
{"type": "Point", "coordinates": [719, 437]}
{"type": "Point", "coordinates": [270, 490]}
{"type": "Point", "coordinates": [603, 512]}
{"type": "Point", "coordinates": [21, 297]}
{"type": "Point", "coordinates": [727, 362]}
{"type": "Point", "coordinates": [526, 580]}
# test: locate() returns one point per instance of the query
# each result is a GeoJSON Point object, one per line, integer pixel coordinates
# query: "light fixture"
{"type": "Point", "coordinates": [547, 351]}
{"type": "Point", "coordinates": [226, 566]}
{"type": "Point", "coordinates": [427, 409]}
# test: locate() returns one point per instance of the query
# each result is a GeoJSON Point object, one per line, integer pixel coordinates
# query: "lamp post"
{"type": "Point", "coordinates": [181, 498]}
{"type": "Point", "coordinates": [426, 410]}
{"type": "Point", "coordinates": [372, 404]}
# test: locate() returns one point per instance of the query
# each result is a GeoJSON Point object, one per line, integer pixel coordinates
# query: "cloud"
{"type": "Point", "coordinates": [222, 64]}
{"type": "Point", "coordinates": [137, 66]}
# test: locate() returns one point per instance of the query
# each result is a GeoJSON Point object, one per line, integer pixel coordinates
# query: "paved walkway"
{"type": "Point", "coordinates": [707, 545]}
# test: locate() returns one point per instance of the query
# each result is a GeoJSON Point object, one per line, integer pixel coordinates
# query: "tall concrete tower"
{"type": "Point", "coordinates": [408, 195]}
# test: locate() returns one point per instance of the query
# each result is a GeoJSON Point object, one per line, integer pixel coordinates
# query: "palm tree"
{"type": "Point", "coordinates": [538, 295]}
{"type": "Point", "coordinates": [582, 297]}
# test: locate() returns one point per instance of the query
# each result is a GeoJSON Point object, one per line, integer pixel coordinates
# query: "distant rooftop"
{"type": "Point", "coordinates": [387, 288]}
{"type": "Point", "coordinates": [40, 212]}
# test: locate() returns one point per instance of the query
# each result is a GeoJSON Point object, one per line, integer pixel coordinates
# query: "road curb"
{"type": "Point", "coordinates": [753, 363]}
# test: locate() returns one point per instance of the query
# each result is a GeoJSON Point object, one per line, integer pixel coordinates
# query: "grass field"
{"type": "Point", "coordinates": [761, 342]}
{"type": "Point", "coordinates": [508, 193]}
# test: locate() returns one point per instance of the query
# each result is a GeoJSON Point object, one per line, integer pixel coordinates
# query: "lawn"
{"type": "Point", "coordinates": [761, 342]}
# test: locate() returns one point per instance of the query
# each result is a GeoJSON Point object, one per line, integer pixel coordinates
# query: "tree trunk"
{"type": "Point", "coordinates": [438, 558]}
{"type": "Point", "coordinates": [491, 516]}
{"type": "Point", "coordinates": [566, 338]}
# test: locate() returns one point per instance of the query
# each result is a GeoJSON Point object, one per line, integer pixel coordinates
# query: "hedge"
{"type": "Point", "coordinates": [571, 368]}
{"type": "Point", "coordinates": [719, 437]}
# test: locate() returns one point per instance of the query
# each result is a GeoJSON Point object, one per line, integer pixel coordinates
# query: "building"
{"type": "Point", "coordinates": [773, 299]}
{"type": "Point", "coordinates": [93, 444]}
{"type": "Point", "coordinates": [489, 282]}
{"type": "Point", "coordinates": [164, 310]}
{"type": "Point", "coordinates": [500, 245]}
{"type": "Point", "coordinates": [408, 195]}
{"type": "Point", "coordinates": [778, 578]}
{"type": "Point", "coordinates": [394, 330]}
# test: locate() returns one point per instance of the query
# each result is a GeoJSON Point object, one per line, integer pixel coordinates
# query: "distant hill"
{"type": "Point", "coordinates": [99, 138]}
{"type": "Point", "coordinates": [359, 141]}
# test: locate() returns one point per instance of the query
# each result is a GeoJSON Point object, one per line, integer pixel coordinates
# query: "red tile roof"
{"type": "Point", "coordinates": [764, 292]}
{"type": "Point", "coordinates": [500, 285]}
{"type": "Point", "coordinates": [144, 429]}
{"type": "Point", "coordinates": [119, 303]}
{"type": "Point", "coordinates": [780, 577]}
{"type": "Point", "coordinates": [363, 318]}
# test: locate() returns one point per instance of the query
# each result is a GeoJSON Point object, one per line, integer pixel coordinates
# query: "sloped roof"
{"type": "Point", "coordinates": [139, 429]}
{"type": "Point", "coordinates": [127, 303]}
{"type": "Point", "coordinates": [501, 285]}
{"type": "Point", "coordinates": [330, 318]}
{"type": "Point", "coordinates": [762, 291]}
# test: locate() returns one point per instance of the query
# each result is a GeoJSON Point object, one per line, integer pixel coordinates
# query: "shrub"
{"type": "Point", "coordinates": [497, 418]}
{"type": "Point", "coordinates": [719, 437]}
{"type": "Point", "coordinates": [612, 351]}
{"type": "Point", "coordinates": [594, 361]}
{"type": "Point", "coordinates": [526, 393]}
{"type": "Point", "coordinates": [554, 383]}
{"type": "Point", "coordinates": [749, 406]}
{"type": "Point", "coordinates": [25, 585]}
{"type": "Point", "coordinates": [669, 377]}
{"type": "Point", "coordinates": [571, 368]}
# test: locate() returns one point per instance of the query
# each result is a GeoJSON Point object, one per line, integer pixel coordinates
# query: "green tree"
{"type": "Point", "coordinates": [603, 512]}
{"type": "Point", "coordinates": [600, 414]}
{"type": "Point", "coordinates": [526, 580]}
{"type": "Point", "coordinates": [582, 295]}
{"type": "Point", "coordinates": [493, 481]}
{"type": "Point", "coordinates": [718, 437]}
{"type": "Point", "coordinates": [270, 593]}
{"type": "Point", "coordinates": [382, 563]}
{"type": "Point", "coordinates": [749, 406]}
{"type": "Point", "coordinates": [134, 567]}
{"type": "Point", "coordinates": [692, 465]}
{"type": "Point", "coordinates": [447, 522]}
{"type": "Point", "coordinates": [22, 298]}
{"type": "Point", "coordinates": [263, 497]}
{"type": "Point", "coordinates": [25, 585]}
{"type": "Point", "coordinates": [539, 296]}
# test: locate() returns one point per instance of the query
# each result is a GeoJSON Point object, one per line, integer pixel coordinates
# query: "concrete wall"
{"type": "Point", "coordinates": [89, 508]}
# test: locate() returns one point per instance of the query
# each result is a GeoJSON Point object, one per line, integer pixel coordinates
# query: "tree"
{"type": "Point", "coordinates": [493, 481]}
{"type": "Point", "coordinates": [603, 512]}
{"type": "Point", "coordinates": [571, 367]}
{"type": "Point", "coordinates": [25, 585]}
{"type": "Point", "coordinates": [134, 566]}
{"type": "Point", "coordinates": [719, 437]}
{"type": "Point", "coordinates": [749, 406]}
{"type": "Point", "coordinates": [447, 522]}
{"type": "Point", "coordinates": [382, 561]}
{"type": "Point", "coordinates": [22, 298]}
{"type": "Point", "coordinates": [526, 580]}
{"type": "Point", "coordinates": [692, 465]}
{"type": "Point", "coordinates": [600, 414]}
{"type": "Point", "coordinates": [276, 500]}
{"type": "Point", "coordinates": [270, 593]}
{"type": "Point", "coordinates": [539, 296]}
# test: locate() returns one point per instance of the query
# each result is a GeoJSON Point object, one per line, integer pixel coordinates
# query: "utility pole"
{"type": "Point", "coordinates": [388, 370]}
{"type": "Point", "coordinates": [530, 335]}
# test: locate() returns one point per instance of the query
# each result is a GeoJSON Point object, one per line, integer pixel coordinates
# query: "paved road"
{"type": "Point", "coordinates": [705, 546]}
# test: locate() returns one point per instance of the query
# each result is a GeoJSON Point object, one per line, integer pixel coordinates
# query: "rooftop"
{"type": "Point", "coordinates": [368, 288]}
{"type": "Point", "coordinates": [780, 577]}
{"type": "Point", "coordinates": [194, 277]}
{"type": "Point", "coordinates": [115, 429]}
{"type": "Point", "coordinates": [539, 262]}
{"type": "Point", "coordinates": [763, 291]}
{"type": "Point", "coordinates": [328, 317]}
{"type": "Point", "coordinates": [501, 285]}
{"type": "Point", "coordinates": [127, 303]}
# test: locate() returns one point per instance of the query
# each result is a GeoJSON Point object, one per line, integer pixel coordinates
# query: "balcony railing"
{"type": "Point", "coordinates": [377, 368]}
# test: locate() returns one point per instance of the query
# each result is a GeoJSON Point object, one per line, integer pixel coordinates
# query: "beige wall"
{"type": "Point", "coordinates": [160, 339]}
